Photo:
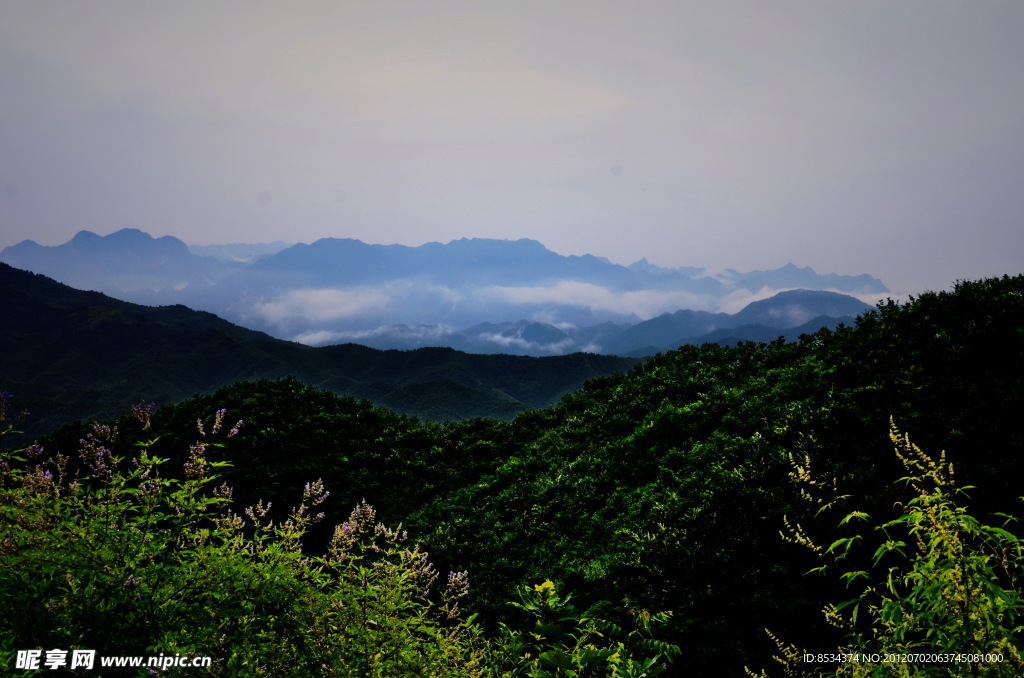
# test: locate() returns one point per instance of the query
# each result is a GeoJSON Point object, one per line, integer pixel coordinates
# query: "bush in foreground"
{"type": "Point", "coordinates": [118, 555]}
{"type": "Point", "coordinates": [111, 554]}
{"type": "Point", "coordinates": [937, 592]}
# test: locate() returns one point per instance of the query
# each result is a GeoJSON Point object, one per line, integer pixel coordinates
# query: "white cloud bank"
{"type": "Point", "coordinates": [517, 341]}
{"type": "Point", "coordinates": [393, 302]}
{"type": "Point", "coordinates": [321, 305]}
{"type": "Point", "coordinates": [427, 335]}
{"type": "Point", "coordinates": [641, 303]}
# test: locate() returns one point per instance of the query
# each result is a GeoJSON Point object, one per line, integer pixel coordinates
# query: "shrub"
{"type": "Point", "coordinates": [560, 643]}
{"type": "Point", "coordinates": [115, 555]}
{"type": "Point", "coordinates": [937, 591]}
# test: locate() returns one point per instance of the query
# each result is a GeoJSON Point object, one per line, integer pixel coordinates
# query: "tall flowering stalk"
{"type": "Point", "coordinates": [942, 586]}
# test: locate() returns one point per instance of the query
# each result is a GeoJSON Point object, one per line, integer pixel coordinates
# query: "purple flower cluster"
{"type": "Point", "coordinates": [230, 521]}
{"type": "Point", "coordinates": [224, 492]}
{"type": "Point", "coordinates": [218, 422]}
{"type": "Point", "coordinates": [421, 571]}
{"type": "Point", "coordinates": [218, 419]}
{"type": "Point", "coordinates": [40, 481]}
{"type": "Point", "coordinates": [97, 456]}
{"type": "Point", "coordinates": [130, 584]}
{"type": "Point", "coordinates": [362, 517]}
{"type": "Point", "coordinates": [143, 412]}
{"type": "Point", "coordinates": [150, 487]}
{"type": "Point", "coordinates": [195, 466]}
{"type": "Point", "coordinates": [314, 494]}
{"type": "Point", "coordinates": [342, 541]}
{"type": "Point", "coordinates": [458, 586]}
{"type": "Point", "coordinates": [259, 511]}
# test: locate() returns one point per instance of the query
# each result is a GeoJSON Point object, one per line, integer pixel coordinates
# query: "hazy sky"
{"type": "Point", "coordinates": [855, 137]}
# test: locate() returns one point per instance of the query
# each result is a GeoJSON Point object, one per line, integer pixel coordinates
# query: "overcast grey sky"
{"type": "Point", "coordinates": [855, 137]}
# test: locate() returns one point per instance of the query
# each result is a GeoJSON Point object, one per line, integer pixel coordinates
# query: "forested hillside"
{"type": "Point", "coordinates": [666, 487]}
{"type": "Point", "coordinates": [71, 354]}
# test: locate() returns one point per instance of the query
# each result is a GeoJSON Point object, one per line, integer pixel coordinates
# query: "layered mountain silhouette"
{"type": "Point", "coordinates": [478, 295]}
{"type": "Point", "coordinates": [787, 314]}
{"type": "Point", "coordinates": [127, 260]}
{"type": "Point", "coordinates": [68, 354]}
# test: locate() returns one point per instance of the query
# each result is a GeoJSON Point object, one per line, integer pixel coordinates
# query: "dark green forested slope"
{"type": "Point", "coordinates": [667, 485]}
{"type": "Point", "coordinates": [70, 354]}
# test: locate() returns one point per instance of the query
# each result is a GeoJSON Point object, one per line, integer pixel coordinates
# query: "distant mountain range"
{"type": "Point", "coordinates": [477, 295]}
{"type": "Point", "coordinates": [787, 314]}
{"type": "Point", "coordinates": [67, 354]}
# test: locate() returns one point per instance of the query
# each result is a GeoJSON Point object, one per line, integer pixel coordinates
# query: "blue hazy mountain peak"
{"type": "Point", "coordinates": [125, 239]}
{"type": "Point", "coordinates": [466, 260]}
{"type": "Point", "coordinates": [794, 276]}
{"type": "Point", "coordinates": [795, 307]}
{"type": "Point", "coordinates": [644, 266]}
{"type": "Point", "coordinates": [501, 242]}
{"type": "Point", "coordinates": [84, 237]}
{"type": "Point", "coordinates": [126, 260]}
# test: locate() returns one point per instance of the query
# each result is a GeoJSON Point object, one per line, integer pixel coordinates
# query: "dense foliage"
{"type": "Point", "coordinates": [666, 487]}
{"type": "Point", "coordinates": [112, 555]}
{"type": "Point", "coordinates": [938, 594]}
